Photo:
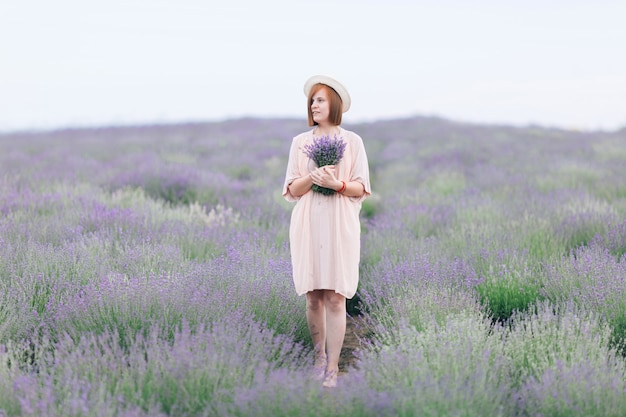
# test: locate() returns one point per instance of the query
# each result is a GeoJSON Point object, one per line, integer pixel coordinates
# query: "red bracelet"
{"type": "Point", "coordinates": [343, 187]}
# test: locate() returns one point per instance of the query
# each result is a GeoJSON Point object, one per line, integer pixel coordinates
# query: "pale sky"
{"type": "Point", "coordinates": [557, 63]}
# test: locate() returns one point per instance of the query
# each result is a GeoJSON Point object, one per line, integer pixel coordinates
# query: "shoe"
{"type": "Point", "coordinates": [330, 380]}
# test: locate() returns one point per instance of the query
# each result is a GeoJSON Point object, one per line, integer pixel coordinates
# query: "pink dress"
{"type": "Point", "coordinates": [325, 231]}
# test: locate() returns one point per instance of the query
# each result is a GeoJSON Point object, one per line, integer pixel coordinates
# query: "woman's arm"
{"type": "Point", "coordinates": [353, 189]}
{"type": "Point", "coordinates": [325, 177]}
{"type": "Point", "coordinates": [300, 186]}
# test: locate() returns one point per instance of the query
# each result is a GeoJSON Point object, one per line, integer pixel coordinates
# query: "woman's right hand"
{"type": "Point", "coordinates": [325, 177]}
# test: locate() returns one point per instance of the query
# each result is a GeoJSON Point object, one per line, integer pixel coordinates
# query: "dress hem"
{"type": "Point", "coordinates": [328, 289]}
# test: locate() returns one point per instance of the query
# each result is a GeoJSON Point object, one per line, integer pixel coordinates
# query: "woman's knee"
{"type": "Point", "coordinates": [315, 299]}
{"type": "Point", "coordinates": [335, 301]}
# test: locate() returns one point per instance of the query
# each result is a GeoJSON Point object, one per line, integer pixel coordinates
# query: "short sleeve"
{"type": "Point", "coordinates": [360, 168]}
{"type": "Point", "coordinates": [293, 171]}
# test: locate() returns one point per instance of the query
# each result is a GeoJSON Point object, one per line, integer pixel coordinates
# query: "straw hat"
{"type": "Point", "coordinates": [332, 83]}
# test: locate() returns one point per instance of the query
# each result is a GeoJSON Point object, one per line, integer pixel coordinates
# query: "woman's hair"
{"type": "Point", "coordinates": [335, 104]}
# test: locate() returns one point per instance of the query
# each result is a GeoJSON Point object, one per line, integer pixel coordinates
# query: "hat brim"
{"type": "Point", "coordinates": [332, 83]}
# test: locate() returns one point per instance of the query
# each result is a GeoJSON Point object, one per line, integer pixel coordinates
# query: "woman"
{"type": "Point", "coordinates": [325, 230]}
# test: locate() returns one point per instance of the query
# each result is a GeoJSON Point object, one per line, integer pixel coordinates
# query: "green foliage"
{"type": "Point", "coordinates": [241, 172]}
{"type": "Point", "coordinates": [174, 193]}
{"type": "Point", "coordinates": [541, 244]}
{"type": "Point", "coordinates": [445, 183]}
{"type": "Point", "coordinates": [454, 367]}
{"type": "Point", "coordinates": [502, 299]}
{"type": "Point", "coordinates": [505, 297]}
{"type": "Point", "coordinates": [272, 314]}
{"type": "Point", "coordinates": [582, 235]}
{"type": "Point", "coordinates": [618, 334]}
{"type": "Point", "coordinates": [354, 305]}
{"type": "Point", "coordinates": [549, 335]}
{"type": "Point", "coordinates": [199, 250]}
{"type": "Point", "coordinates": [370, 207]}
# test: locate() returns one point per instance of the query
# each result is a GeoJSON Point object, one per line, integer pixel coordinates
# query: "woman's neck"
{"type": "Point", "coordinates": [326, 130]}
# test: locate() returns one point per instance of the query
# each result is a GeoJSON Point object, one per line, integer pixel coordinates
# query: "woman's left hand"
{"type": "Point", "coordinates": [325, 177]}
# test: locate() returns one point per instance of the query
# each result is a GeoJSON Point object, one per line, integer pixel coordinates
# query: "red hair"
{"type": "Point", "coordinates": [334, 103]}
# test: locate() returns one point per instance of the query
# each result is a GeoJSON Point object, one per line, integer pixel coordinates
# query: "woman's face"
{"type": "Point", "coordinates": [320, 107]}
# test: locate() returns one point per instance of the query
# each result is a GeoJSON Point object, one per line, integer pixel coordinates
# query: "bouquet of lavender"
{"type": "Point", "coordinates": [325, 151]}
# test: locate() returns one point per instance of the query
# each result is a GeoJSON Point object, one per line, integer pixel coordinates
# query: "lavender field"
{"type": "Point", "coordinates": [145, 271]}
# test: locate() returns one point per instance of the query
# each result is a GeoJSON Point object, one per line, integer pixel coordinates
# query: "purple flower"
{"type": "Point", "coordinates": [325, 151]}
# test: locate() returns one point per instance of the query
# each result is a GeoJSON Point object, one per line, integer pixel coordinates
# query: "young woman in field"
{"type": "Point", "coordinates": [325, 229]}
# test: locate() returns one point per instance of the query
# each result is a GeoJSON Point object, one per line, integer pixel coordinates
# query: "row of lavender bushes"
{"type": "Point", "coordinates": [145, 272]}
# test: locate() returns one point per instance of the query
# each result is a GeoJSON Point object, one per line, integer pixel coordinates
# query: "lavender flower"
{"type": "Point", "coordinates": [325, 151]}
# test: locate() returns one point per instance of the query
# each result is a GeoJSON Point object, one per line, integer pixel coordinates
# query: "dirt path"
{"type": "Point", "coordinates": [351, 344]}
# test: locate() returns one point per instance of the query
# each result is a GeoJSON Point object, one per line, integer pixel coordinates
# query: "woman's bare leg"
{"type": "Point", "coordinates": [316, 319]}
{"type": "Point", "coordinates": [335, 333]}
